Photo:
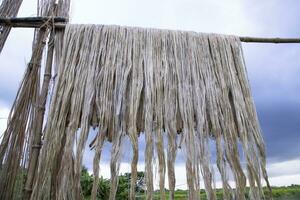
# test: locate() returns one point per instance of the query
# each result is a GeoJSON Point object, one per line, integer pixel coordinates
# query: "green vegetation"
{"type": "Point", "coordinates": [286, 193]}
{"type": "Point", "coordinates": [103, 186]}
{"type": "Point", "coordinates": [279, 193]}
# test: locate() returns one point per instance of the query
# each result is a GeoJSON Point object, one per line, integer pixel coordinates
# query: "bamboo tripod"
{"type": "Point", "coordinates": [60, 23]}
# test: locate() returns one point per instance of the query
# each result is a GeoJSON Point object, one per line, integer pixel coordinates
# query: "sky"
{"type": "Point", "coordinates": [273, 69]}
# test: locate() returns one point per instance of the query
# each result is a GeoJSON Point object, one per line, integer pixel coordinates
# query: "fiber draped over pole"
{"type": "Point", "coordinates": [182, 89]}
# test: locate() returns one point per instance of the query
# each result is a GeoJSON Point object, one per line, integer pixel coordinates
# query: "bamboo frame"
{"type": "Point", "coordinates": [36, 132]}
{"type": "Point", "coordinates": [33, 22]}
{"type": "Point", "coordinates": [60, 22]}
{"type": "Point", "coordinates": [270, 40]}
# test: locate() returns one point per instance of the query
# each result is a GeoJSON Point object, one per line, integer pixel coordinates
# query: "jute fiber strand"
{"type": "Point", "coordinates": [19, 148]}
{"type": "Point", "coordinates": [163, 84]}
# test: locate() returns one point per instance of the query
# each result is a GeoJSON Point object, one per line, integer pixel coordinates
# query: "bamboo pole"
{"type": "Point", "coordinates": [270, 40]}
{"type": "Point", "coordinates": [33, 22]}
{"type": "Point", "coordinates": [38, 126]}
{"type": "Point", "coordinates": [60, 23]}
{"type": "Point", "coordinates": [14, 136]}
{"type": "Point", "coordinates": [8, 8]}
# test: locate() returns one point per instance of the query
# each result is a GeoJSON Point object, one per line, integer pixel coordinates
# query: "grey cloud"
{"type": "Point", "coordinates": [281, 130]}
{"type": "Point", "coordinates": [274, 77]}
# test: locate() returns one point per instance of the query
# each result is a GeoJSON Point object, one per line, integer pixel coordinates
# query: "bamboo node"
{"type": "Point", "coordinates": [27, 189]}
{"type": "Point", "coordinates": [36, 146]}
{"type": "Point", "coordinates": [47, 75]}
{"type": "Point", "coordinates": [33, 64]}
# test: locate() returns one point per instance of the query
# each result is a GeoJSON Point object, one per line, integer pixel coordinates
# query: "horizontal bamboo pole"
{"type": "Point", "coordinates": [270, 40]}
{"type": "Point", "coordinates": [33, 22]}
{"type": "Point", "coordinates": [60, 22]}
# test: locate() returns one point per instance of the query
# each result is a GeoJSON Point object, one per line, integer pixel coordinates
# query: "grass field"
{"type": "Point", "coordinates": [279, 193]}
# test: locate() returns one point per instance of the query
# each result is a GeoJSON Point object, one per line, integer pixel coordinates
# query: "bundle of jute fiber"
{"type": "Point", "coordinates": [160, 83]}
{"type": "Point", "coordinates": [19, 148]}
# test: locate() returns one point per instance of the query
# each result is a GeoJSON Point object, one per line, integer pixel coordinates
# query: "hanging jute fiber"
{"type": "Point", "coordinates": [183, 87]}
{"type": "Point", "coordinates": [179, 89]}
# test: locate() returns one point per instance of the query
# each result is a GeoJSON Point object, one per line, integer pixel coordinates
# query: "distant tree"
{"type": "Point", "coordinates": [140, 182]}
{"type": "Point", "coordinates": [279, 193]}
{"type": "Point", "coordinates": [103, 189]}
{"type": "Point", "coordinates": [123, 187]}
{"type": "Point", "coordinates": [104, 185]}
{"type": "Point", "coordinates": [86, 182]}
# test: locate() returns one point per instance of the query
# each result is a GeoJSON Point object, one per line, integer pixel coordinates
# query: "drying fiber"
{"type": "Point", "coordinates": [18, 152]}
{"type": "Point", "coordinates": [180, 89]}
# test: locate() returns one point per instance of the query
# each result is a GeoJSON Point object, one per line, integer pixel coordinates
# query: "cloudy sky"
{"type": "Point", "coordinates": [273, 69]}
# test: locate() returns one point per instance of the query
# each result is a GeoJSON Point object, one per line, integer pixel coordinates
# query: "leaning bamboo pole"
{"type": "Point", "coordinates": [8, 8]}
{"type": "Point", "coordinates": [25, 121]}
{"type": "Point", "coordinates": [38, 125]}
{"type": "Point", "coordinates": [60, 23]}
{"type": "Point", "coordinates": [13, 141]}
